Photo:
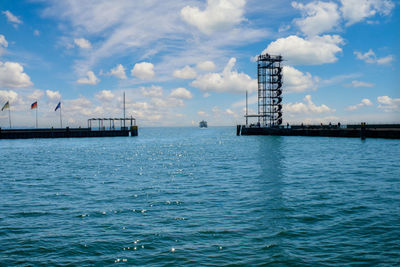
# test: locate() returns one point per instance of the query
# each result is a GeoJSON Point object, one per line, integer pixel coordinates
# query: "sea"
{"type": "Point", "coordinates": [200, 197]}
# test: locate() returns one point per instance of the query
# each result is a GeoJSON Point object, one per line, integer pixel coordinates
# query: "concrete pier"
{"type": "Point", "coordinates": [391, 131]}
{"type": "Point", "coordinates": [65, 133]}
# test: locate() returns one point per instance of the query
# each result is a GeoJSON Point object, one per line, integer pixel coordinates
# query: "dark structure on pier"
{"type": "Point", "coordinates": [269, 80]}
{"type": "Point", "coordinates": [269, 117]}
{"type": "Point", "coordinates": [269, 72]}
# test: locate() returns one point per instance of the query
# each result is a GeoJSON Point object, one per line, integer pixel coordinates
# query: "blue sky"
{"type": "Point", "coordinates": [183, 61]}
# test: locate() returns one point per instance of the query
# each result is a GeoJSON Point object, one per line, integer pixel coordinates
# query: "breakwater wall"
{"type": "Point", "coordinates": [66, 133]}
{"type": "Point", "coordinates": [391, 131]}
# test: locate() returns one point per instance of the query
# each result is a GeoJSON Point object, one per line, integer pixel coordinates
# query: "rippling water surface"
{"type": "Point", "coordinates": [189, 196]}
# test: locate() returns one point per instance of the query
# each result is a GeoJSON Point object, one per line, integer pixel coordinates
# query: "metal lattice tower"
{"type": "Point", "coordinates": [269, 90]}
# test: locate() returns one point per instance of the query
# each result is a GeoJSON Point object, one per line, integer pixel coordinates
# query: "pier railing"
{"type": "Point", "coordinates": [111, 124]}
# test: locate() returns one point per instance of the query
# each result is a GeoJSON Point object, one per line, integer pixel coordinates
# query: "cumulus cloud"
{"type": "Point", "coordinates": [387, 103]}
{"type": "Point", "coordinates": [11, 17]}
{"type": "Point", "coordinates": [36, 32]}
{"type": "Point", "coordinates": [82, 43]}
{"type": "Point", "coordinates": [307, 107]}
{"type": "Point", "coordinates": [10, 95]}
{"type": "Point", "coordinates": [12, 75]}
{"type": "Point", "coordinates": [90, 79]}
{"type": "Point", "coordinates": [297, 81]}
{"type": "Point", "coordinates": [143, 70]}
{"type": "Point", "coordinates": [357, 10]}
{"type": "Point", "coordinates": [370, 57]}
{"type": "Point", "coordinates": [312, 51]}
{"type": "Point", "coordinates": [364, 102]}
{"type": "Point", "coordinates": [218, 15]}
{"type": "Point", "coordinates": [360, 84]}
{"type": "Point", "coordinates": [229, 80]}
{"type": "Point", "coordinates": [206, 66]}
{"type": "Point", "coordinates": [152, 91]}
{"type": "Point", "coordinates": [118, 71]}
{"type": "Point", "coordinates": [318, 17]}
{"type": "Point", "coordinates": [81, 106]}
{"type": "Point", "coordinates": [105, 95]}
{"type": "Point", "coordinates": [181, 93]}
{"type": "Point", "coordinates": [186, 73]}
{"type": "Point", "coordinates": [53, 95]}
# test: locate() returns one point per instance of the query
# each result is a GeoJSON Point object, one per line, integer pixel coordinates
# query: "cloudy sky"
{"type": "Point", "coordinates": [181, 61]}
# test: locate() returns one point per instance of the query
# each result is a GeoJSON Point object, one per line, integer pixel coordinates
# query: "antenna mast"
{"type": "Point", "coordinates": [124, 109]}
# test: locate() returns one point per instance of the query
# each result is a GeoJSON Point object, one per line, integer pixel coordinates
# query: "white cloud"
{"type": "Point", "coordinates": [230, 112]}
{"type": "Point", "coordinates": [90, 79]}
{"type": "Point", "coordinates": [360, 84]}
{"type": "Point", "coordinates": [181, 93]}
{"type": "Point", "coordinates": [119, 30]}
{"type": "Point", "coordinates": [166, 103]}
{"type": "Point", "coordinates": [81, 106]}
{"type": "Point", "coordinates": [308, 107]}
{"type": "Point", "coordinates": [36, 32]}
{"type": "Point", "coordinates": [53, 95]}
{"type": "Point", "coordinates": [202, 113]}
{"type": "Point", "coordinates": [143, 70]}
{"type": "Point", "coordinates": [312, 51]}
{"type": "Point", "coordinates": [10, 95]}
{"type": "Point", "coordinates": [228, 80]}
{"type": "Point", "coordinates": [357, 10]}
{"type": "Point", "coordinates": [370, 57]}
{"type": "Point", "coordinates": [297, 81]}
{"type": "Point", "coordinates": [82, 43]}
{"type": "Point", "coordinates": [3, 41]}
{"type": "Point", "coordinates": [11, 17]}
{"type": "Point", "coordinates": [3, 44]}
{"type": "Point", "coordinates": [152, 91]}
{"type": "Point", "coordinates": [186, 73]}
{"type": "Point", "coordinates": [218, 15]}
{"type": "Point", "coordinates": [206, 66]}
{"type": "Point", "coordinates": [387, 103]}
{"type": "Point", "coordinates": [12, 75]}
{"type": "Point", "coordinates": [105, 95]}
{"type": "Point", "coordinates": [118, 71]}
{"type": "Point", "coordinates": [364, 102]}
{"type": "Point", "coordinates": [36, 95]}
{"type": "Point", "coordinates": [206, 94]}
{"type": "Point", "coordinates": [318, 17]}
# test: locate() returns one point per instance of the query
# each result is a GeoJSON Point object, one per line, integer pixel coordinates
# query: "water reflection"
{"type": "Point", "coordinates": [273, 222]}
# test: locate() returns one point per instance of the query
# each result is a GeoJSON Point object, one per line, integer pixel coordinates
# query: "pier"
{"type": "Point", "coordinates": [101, 131]}
{"type": "Point", "coordinates": [391, 131]}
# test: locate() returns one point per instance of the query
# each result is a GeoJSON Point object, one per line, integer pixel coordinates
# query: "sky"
{"type": "Point", "coordinates": [182, 61]}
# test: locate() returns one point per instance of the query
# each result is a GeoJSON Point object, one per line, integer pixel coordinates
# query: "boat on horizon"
{"type": "Point", "coordinates": [203, 124]}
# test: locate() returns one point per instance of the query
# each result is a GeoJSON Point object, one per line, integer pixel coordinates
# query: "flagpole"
{"type": "Point", "coordinates": [36, 117]}
{"type": "Point", "coordinates": [9, 114]}
{"type": "Point", "coordinates": [60, 116]}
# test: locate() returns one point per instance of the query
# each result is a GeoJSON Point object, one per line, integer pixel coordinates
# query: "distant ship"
{"type": "Point", "coordinates": [203, 124]}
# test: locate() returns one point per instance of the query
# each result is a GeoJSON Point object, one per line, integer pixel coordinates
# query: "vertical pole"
{"type": "Point", "coordinates": [124, 109]}
{"type": "Point", "coordinates": [60, 117]}
{"type": "Point", "coordinates": [36, 117]}
{"type": "Point", "coordinates": [9, 114]}
{"type": "Point", "coordinates": [247, 110]}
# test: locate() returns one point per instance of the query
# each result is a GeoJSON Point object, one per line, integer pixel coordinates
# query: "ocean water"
{"type": "Point", "coordinates": [191, 197]}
